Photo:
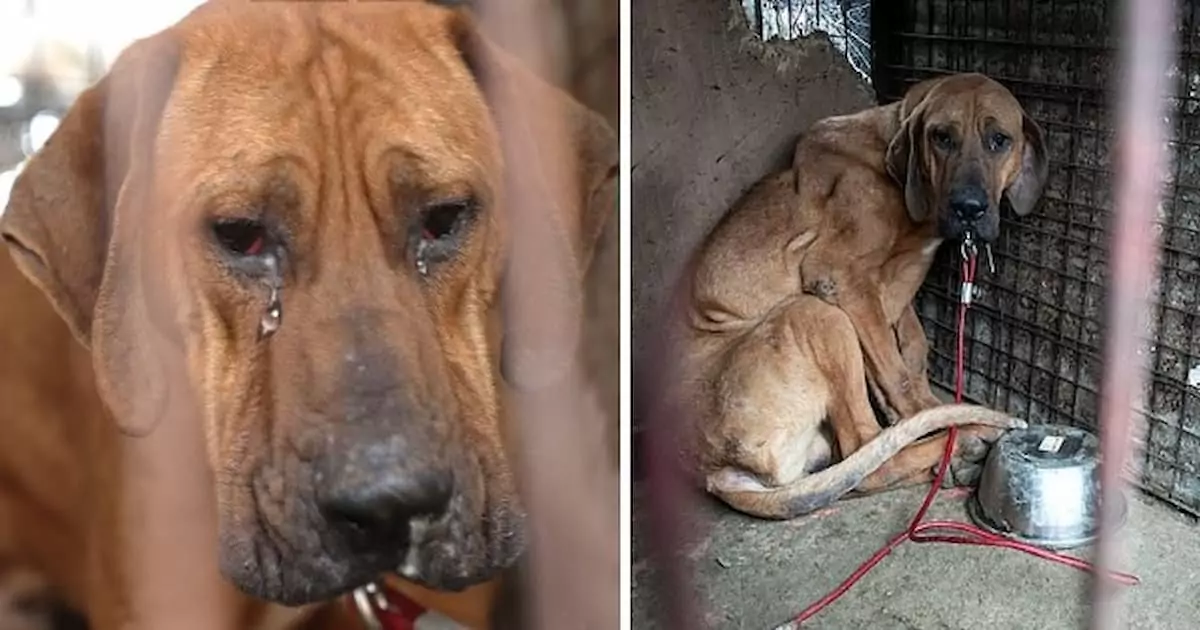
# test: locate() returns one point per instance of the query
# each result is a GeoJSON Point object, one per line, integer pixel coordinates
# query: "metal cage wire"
{"type": "Point", "coordinates": [847, 24]}
{"type": "Point", "coordinates": [1034, 341]}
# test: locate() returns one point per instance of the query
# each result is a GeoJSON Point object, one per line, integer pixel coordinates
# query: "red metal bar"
{"type": "Point", "coordinates": [668, 501]}
{"type": "Point", "coordinates": [1148, 30]}
{"type": "Point", "coordinates": [571, 494]}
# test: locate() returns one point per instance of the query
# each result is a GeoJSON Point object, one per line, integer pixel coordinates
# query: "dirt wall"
{"type": "Point", "coordinates": [713, 110]}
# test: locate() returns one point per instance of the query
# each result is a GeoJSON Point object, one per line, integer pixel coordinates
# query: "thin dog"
{"type": "Point", "coordinates": [799, 302]}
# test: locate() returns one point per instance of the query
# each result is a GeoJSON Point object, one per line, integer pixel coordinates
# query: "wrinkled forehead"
{"type": "Point", "coordinates": [973, 102]}
{"type": "Point", "coordinates": [375, 95]}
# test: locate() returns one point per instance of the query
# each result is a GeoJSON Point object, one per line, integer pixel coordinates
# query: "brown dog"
{"type": "Point", "coordinates": [802, 295]}
{"type": "Point", "coordinates": [258, 331]}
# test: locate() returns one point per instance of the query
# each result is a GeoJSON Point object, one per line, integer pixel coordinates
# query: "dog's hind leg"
{"type": "Point", "coordinates": [851, 415]}
{"type": "Point", "coordinates": [852, 418]}
{"type": "Point", "coordinates": [777, 386]}
{"type": "Point", "coordinates": [769, 401]}
{"type": "Point", "coordinates": [815, 491]}
{"type": "Point", "coordinates": [833, 346]}
{"type": "Point", "coordinates": [795, 399]}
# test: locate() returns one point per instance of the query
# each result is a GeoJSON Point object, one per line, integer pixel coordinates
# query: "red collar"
{"type": "Point", "coordinates": [383, 608]}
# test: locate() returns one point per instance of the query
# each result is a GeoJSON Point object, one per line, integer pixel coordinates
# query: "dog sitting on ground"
{"type": "Point", "coordinates": [800, 299]}
{"type": "Point", "coordinates": [254, 326]}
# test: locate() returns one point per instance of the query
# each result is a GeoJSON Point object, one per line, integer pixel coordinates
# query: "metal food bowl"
{"type": "Point", "coordinates": [1041, 485]}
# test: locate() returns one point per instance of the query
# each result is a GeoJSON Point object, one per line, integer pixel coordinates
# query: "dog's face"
{"type": "Point", "coordinates": [965, 147]}
{"type": "Point", "coordinates": [342, 158]}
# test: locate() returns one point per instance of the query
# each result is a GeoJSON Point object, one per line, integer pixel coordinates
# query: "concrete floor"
{"type": "Point", "coordinates": [756, 574]}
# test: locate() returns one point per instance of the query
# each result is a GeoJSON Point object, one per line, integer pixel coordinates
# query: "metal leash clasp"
{"type": "Point", "coordinates": [369, 600]}
{"type": "Point", "coordinates": [969, 251]}
{"type": "Point", "coordinates": [967, 246]}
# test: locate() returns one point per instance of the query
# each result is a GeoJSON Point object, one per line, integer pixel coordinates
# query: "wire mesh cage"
{"type": "Point", "coordinates": [1035, 337]}
{"type": "Point", "coordinates": [847, 23]}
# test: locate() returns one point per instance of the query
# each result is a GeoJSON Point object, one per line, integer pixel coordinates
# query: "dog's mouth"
{"type": "Point", "coordinates": [441, 556]}
{"type": "Point", "coordinates": [282, 560]}
{"type": "Point", "coordinates": [985, 229]}
{"type": "Point", "coordinates": [303, 577]}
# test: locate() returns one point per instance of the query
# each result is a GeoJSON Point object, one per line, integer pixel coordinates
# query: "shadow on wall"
{"type": "Point", "coordinates": [714, 110]}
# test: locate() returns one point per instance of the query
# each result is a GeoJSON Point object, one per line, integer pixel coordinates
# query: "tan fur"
{"type": "Point", "coordinates": [114, 316]}
{"type": "Point", "coordinates": [801, 298]}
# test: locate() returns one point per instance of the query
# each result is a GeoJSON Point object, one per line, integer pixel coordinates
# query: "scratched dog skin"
{"type": "Point", "coordinates": [274, 234]}
{"type": "Point", "coordinates": [800, 301]}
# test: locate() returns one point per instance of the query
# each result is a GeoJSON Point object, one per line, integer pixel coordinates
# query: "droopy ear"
{"type": "Point", "coordinates": [904, 164]}
{"type": "Point", "coordinates": [56, 224]}
{"type": "Point", "coordinates": [1026, 189]}
{"type": "Point", "coordinates": [903, 157]}
{"type": "Point", "coordinates": [67, 225]}
{"type": "Point", "coordinates": [60, 213]}
{"type": "Point", "coordinates": [573, 188]}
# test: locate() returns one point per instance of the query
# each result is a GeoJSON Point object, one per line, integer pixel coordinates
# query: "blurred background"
{"type": "Point", "coordinates": [50, 50]}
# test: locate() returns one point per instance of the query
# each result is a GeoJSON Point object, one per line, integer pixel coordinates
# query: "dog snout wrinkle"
{"type": "Point", "coordinates": [374, 388]}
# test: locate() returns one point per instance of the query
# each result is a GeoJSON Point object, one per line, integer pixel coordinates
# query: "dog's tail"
{"type": "Point", "coordinates": [820, 489]}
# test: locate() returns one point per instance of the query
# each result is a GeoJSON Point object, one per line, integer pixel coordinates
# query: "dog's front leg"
{"type": "Point", "coordinates": [914, 349]}
{"type": "Point", "coordinates": [880, 403]}
{"type": "Point", "coordinates": [886, 368]}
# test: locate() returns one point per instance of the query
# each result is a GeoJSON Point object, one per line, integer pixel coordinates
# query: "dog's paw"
{"type": "Point", "coordinates": [970, 450]}
{"type": "Point", "coordinates": [963, 474]}
{"type": "Point", "coordinates": [974, 441]}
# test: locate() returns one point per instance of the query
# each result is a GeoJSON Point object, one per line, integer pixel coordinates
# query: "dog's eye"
{"type": "Point", "coordinates": [942, 138]}
{"type": "Point", "coordinates": [441, 227]}
{"type": "Point", "coordinates": [241, 237]}
{"type": "Point", "coordinates": [442, 220]}
{"type": "Point", "coordinates": [998, 142]}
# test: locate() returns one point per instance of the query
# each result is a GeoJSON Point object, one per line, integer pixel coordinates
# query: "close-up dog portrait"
{"type": "Point", "coordinates": [293, 297]}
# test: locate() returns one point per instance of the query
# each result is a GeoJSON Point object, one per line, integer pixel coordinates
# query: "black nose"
{"type": "Point", "coordinates": [969, 203]}
{"type": "Point", "coordinates": [380, 508]}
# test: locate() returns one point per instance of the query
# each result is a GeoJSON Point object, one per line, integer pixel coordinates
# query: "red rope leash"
{"type": "Point", "coordinates": [939, 531]}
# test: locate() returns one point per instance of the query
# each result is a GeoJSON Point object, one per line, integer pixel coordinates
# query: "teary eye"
{"type": "Point", "coordinates": [442, 227]}
{"type": "Point", "coordinates": [443, 219]}
{"type": "Point", "coordinates": [240, 237]}
{"type": "Point", "coordinates": [998, 142]}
